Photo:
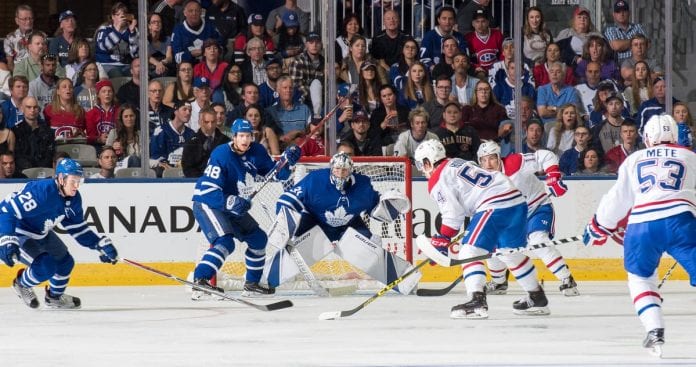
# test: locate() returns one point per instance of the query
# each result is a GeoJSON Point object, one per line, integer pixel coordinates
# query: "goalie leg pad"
{"type": "Point", "coordinates": [522, 267]}
{"type": "Point", "coordinates": [474, 273]}
{"type": "Point", "coordinates": [284, 227]}
{"type": "Point", "coordinates": [646, 300]}
{"type": "Point", "coordinates": [312, 245]}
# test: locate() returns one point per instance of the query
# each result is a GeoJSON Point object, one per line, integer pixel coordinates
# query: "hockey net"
{"type": "Point", "coordinates": [385, 172]}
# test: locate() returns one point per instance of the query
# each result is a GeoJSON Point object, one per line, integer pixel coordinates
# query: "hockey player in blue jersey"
{"type": "Point", "coordinates": [323, 213]}
{"type": "Point", "coordinates": [221, 201]}
{"type": "Point", "coordinates": [656, 187]}
{"type": "Point", "coordinates": [27, 219]}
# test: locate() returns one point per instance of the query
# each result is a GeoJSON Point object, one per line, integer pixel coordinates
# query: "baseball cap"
{"type": "Point", "coordinates": [201, 82]}
{"type": "Point", "coordinates": [290, 19]}
{"type": "Point", "coordinates": [620, 6]}
{"type": "Point", "coordinates": [343, 90]}
{"type": "Point", "coordinates": [581, 9]}
{"type": "Point", "coordinates": [103, 83]}
{"type": "Point", "coordinates": [181, 103]}
{"type": "Point", "coordinates": [614, 95]}
{"type": "Point", "coordinates": [479, 13]}
{"type": "Point", "coordinates": [367, 64]}
{"type": "Point", "coordinates": [360, 115]}
{"type": "Point", "coordinates": [68, 14]}
{"type": "Point", "coordinates": [313, 36]}
{"type": "Point", "coordinates": [273, 60]}
{"type": "Point", "coordinates": [606, 85]}
{"type": "Point", "coordinates": [255, 19]}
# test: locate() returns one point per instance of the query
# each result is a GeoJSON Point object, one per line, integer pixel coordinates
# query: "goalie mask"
{"type": "Point", "coordinates": [660, 129]}
{"type": "Point", "coordinates": [341, 169]}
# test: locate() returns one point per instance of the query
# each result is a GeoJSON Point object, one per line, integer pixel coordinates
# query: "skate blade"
{"type": "Point", "coordinates": [247, 294]}
{"type": "Point", "coordinates": [533, 311]}
{"type": "Point", "coordinates": [656, 351]}
{"type": "Point", "coordinates": [478, 314]}
{"type": "Point", "coordinates": [54, 307]}
{"type": "Point", "coordinates": [571, 292]}
{"type": "Point", "coordinates": [497, 292]}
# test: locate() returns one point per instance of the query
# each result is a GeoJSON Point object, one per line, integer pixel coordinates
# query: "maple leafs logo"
{"type": "Point", "coordinates": [49, 224]}
{"type": "Point", "coordinates": [246, 187]}
{"type": "Point", "coordinates": [338, 217]}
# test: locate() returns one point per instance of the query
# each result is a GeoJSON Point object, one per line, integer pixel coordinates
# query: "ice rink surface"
{"type": "Point", "coordinates": [160, 326]}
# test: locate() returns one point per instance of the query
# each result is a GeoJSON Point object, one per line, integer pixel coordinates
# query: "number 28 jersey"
{"type": "Point", "coordinates": [461, 188]}
{"type": "Point", "coordinates": [653, 183]}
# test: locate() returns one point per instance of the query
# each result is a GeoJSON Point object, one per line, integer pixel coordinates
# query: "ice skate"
{"type": "Point", "coordinates": [568, 287]}
{"type": "Point", "coordinates": [63, 301]}
{"type": "Point", "coordinates": [255, 290]}
{"type": "Point", "coordinates": [654, 341]}
{"type": "Point", "coordinates": [496, 288]}
{"type": "Point", "coordinates": [200, 295]}
{"type": "Point", "coordinates": [476, 308]}
{"type": "Point", "coordinates": [25, 293]}
{"type": "Point", "coordinates": [535, 304]}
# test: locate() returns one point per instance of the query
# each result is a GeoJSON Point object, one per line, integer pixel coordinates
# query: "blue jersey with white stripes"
{"type": "Point", "coordinates": [38, 207]}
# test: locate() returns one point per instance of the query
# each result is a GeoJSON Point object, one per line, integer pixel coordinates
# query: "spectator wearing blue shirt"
{"type": "Point", "coordinates": [117, 42]}
{"type": "Point", "coordinates": [11, 107]}
{"type": "Point", "coordinates": [556, 94]}
{"type": "Point", "coordinates": [293, 118]}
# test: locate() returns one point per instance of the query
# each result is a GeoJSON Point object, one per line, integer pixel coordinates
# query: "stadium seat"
{"type": "Point", "coordinates": [132, 172]}
{"type": "Point", "coordinates": [38, 172]}
{"type": "Point", "coordinates": [85, 154]}
{"type": "Point", "coordinates": [118, 81]}
{"type": "Point", "coordinates": [173, 173]}
{"type": "Point", "coordinates": [165, 80]}
{"type": "Point", "coordinates": [89, 171]}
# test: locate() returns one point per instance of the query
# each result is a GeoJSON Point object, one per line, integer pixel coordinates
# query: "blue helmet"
{"type": "Point", "coordinates": [68, 166]}
{"type": "Point", "coordinates": [242, 126]}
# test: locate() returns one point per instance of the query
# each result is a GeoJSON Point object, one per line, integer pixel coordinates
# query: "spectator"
{"type": "Point", "coordinates": [44, 86]}
{"type": "Point", "coordinates": [86, 92]}
{"type": "Point", "coordinates": [198, 148]}
{"type": "Point", "coordinates": [599, 105]}
{"type": "Point", "coordinates": [189, 35]}
{"type": "Point", "coordinates": [220, 113]}
{"type": "Point", "coordinates": [588, 89]}
{"type": "Point", "coordinates": [158, 112]}
{"type": "Point", "coordinates": [12, 107]}
{"type": "Point", "coordinates": [350, 66]}
{"type": "Point", "coordinates": [102, 118]}
{"type": "Point", "coordinates": [485, 113]}
{"type": "Point", "coordinates": [7, 138]}
{"type": "Point", "coordinates": [268, 95]}
{"type": "Point", "coordinates": [399, 70]}
{"type": "Point", "coordinates": [571, 40]}
{"type": "Point", "coordinates": [211, 68]}
{"type": "Point", "coordinates": [347, 104]}
{"type": "Point", "coordinates": [390, 118]}
{"type": "Point", "coordinates": [504, 92]}
{"type": "Point", "coordinates": [293, 118]}
{"type": "Point", "coordinates": [168, 141]}
{"type": "Point", "coordinates": [620, 33]}
{"type": "Point", "coordinates": [506, 131]}
{"type": "Point", "coordinates": [409, 140]}
{"type": "Point", "coordinates": [64, 37]}
{"type": "Point", "coordinates": [15, 44]}
{"type": "Point", "coordinates": [608, 134]}
{"type": "Point", "coordinates": [534, 139]}
{"type": "Point", "coordinates": [596, 50]}
{"type": "Point", "coordinates": [31, 65]}
{"type": "Point", "coordinates": [250, 95]}
{"type": "Point", "coordinates": [641, 88]}
{"type": "Point", "coordinates": [107, 163]}
{"type": "Point", "coordinates": [229, 18]}
{"type": "Point", "coordinates": [639, 52]}
{"type": "Point", "coordinates": [9, 169]}
{"type": "Point", "coordinates": [541, 70]}
{"type": "Point", "coordinates": [182, 89]}
{"type": "Point", "coordinates": [362, 137]}
{"type": "Point", "coordinates": [485, 43]}
{"type": "Point", "coordinates": [253, 70]}
{"type": "Point", "coordinates": [307, 72]}
{"type": "Point", "coordinates": [653, 106]}
{"type": "Point", "coordinates": [117, 41]}
{"type": "Point", "coordinates": [569, 159]}
{"type": "Point", "coordinates": [79, 54]}
{"type": "Point", "coordinates": [431, 46]}
{"type": "Point", "coordinates": [201, 90]}
{"type": "Point", "coordinates": [256, 30]}
{"type": "Point", "coordinates": [417, 87]}
{"type": "Point", "coordinates": [536, 37]}
{"type": "Point", "coordinates": [498, 72]}
{"type": "Point", "coordinates": [563, 131]}
{"type": "Point", "coordinates": [289, 42]}
{"type": "Point", "coordinates": [231, 87]}
{"type": "Point", "coordinates": [387, 45]}
{"type": "Point", "coordinates": [629, 144]}
{"type": "Point", "coordinates": [436, 106]}
{"type": "Point", "coordinates": [346, 147]}
{"type": "Point", "coordinates": [275, 18]}
{"type": "Point", "coordinates": [449, 50]}
{"type": "Point", "coordinates": [171, 13]}
{"type": "Point", "coordinates": [35, 141]}
{"type": "Point", "coordinates": [63, 114]}
{"type": "Point", "coordinates": [685, 123]}
{"type": "Point", "coordinates": [130, 91]}
{"type": "Point", "coordinates": [125, 138]}
{"type": "Point", "coordinates": [460, 141]}
{"type": "Point", "coordinates": [263, 133]}
{"type": "Point", "coordinates": [463, 85]}
{"type": "Point", "coordinates": [350, 29]}
{"type": "Point", "coordinates": [590, 162]}
{"type": "Point", "coordinates": [465, 14]}
{"type": "Point", "coordinates": [555, 94]}
{"type": "Point", "coordinates": [160, 56]}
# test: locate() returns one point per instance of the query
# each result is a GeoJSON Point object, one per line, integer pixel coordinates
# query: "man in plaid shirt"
{"type": "Point", "coordinates": [307, 72]}
{"type": "Point", "coordinates": [620, 33]}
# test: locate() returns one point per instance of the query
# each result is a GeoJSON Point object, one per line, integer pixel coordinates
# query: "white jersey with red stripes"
{"type": "Point", "coordinates": [522, 169]}
{"type": "Point", "coordinates": [653, 183]}
{"type": "Point", "coordinates": [461, 188]}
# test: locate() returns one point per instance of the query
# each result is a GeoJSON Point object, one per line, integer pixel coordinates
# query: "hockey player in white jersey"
{"type": "Point", "coordinates": [657, 186]}
{"type": "Point", "coordinates": [498, 214]}
{"type": "Point", "coordinates": [521, 169]}
{"type": "Point", "coordinates": [323, 212]}
{"type": "Point", "coordinates": [27, 219]}
{"type": "Point", "coordinates": [221, 201]}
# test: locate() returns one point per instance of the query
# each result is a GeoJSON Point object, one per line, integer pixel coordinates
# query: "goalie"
{"type": "Point", "coordinates": [322, 213]}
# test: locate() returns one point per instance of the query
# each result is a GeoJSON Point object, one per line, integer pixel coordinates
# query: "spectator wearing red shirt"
{"type": "Point", "coordinates": [102, 118]}
{"type": "Point", "coordinates": [64, 115]}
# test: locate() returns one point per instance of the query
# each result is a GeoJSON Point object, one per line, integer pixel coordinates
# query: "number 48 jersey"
{"type": "Point", "coordinates": [653, 183]}
{"type": "Point", "coordinates": [461, 188]}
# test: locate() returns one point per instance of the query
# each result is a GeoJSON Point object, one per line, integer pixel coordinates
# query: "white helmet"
{"type": "Point", "coordinates": [432, 150]}
{"type": "Point", "coordinates": [487, 147]}
{"type": "Point", "coordinates": [341, 160]}
{"type": "Point", "coordinates": [660, 129]}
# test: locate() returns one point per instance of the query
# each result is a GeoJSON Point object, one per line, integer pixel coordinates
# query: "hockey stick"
{"type": "Point", "coordinates": [332, 315]}
{"type": "Point", "coordinates": [269, 307]}
{"type": "Point", "coordinates": [667, 275]}
{"type": "Point", "coordinates": [435, 255]}
{"type": "Point", "coordinates": [439, 292]}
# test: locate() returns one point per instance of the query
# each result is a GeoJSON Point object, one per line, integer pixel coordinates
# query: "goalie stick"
{"type": "Point", "coordinates": [269, 307]}
{"type": "Point", "coordinates": [667, 275]}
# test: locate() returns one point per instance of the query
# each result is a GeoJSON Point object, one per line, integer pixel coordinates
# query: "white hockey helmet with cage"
{"type": "Point", "coordinates": [432, 150]}
{"type": "Point", "coordinates": [660, 129]}
{"type": "Point", "coordinates": [488, 147]}
{"type": "Point", "coordinates": [344, 161]}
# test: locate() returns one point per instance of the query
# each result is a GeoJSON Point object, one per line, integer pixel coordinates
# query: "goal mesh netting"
{"type": "Point", "coordinates": [385, 172]}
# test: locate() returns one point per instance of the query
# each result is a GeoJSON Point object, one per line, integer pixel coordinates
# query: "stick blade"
{"type": "Point", "coordinates": [279, 305]}
{"type": "Point", "coordinates": [331, 315]}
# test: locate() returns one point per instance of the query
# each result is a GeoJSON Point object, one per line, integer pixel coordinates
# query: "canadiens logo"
{"type": "Point", "coordinates": [487, 57]}
{"type": "Point", "coordinates": [338, 217]}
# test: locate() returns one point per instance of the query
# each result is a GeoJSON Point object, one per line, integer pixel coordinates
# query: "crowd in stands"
{"type": "Point", "coordinates": [586, 92]}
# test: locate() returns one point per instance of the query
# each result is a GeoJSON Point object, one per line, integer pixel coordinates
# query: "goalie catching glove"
{"type": "Point", "coordinates": [392, 204]}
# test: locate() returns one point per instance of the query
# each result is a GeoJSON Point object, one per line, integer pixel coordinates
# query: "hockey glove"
{"type": "Point", "coordinates": [554, 182]}
{"type": "Point", "coordinates": [237, 205]}
{"type": "Point", "coordinates": [9, 249]}
{"type": "Point", "coordinates": [292, 154]}
{"type": "Point", "coordinates": [441, 243]}
{"type": "Point", "coordinates": [595, 233]}
{"type": "Point", "coordinates": [107, 251]}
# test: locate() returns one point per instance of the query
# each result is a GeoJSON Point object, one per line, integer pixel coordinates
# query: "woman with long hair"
{"type": "Point", "coordinates": [536, 36]}
{"type": "Point", "coordinates": [79, 54]}
{"type": "Point", "coordinates": [685, 124]}
{"type": "Point", "coordinates": [417, 87]}
{"type": "Point", "coordinates": [641, 88]}
{"type": "Point", "coordinates": [64, 37]}
{"type": "Point", "coordinates": [349, 70]}
{"type": "Point", "coordinates": [368, 87]}
{"type": "Point", "coordinates": [398, 71]}
{"type": "Point", "coordinates": [159, 47]}
{"type": "Point", "coordinates": [485, 113]}
{"type": "Point", "coordinates": [102, 118]}
{"type": "Point", "coordinates": [125, 138]}
{"type": "Point", "coordinates": [562, 133]}
{"type": "Point", "coordinates": [64, 115]}
{"type": "Point", "coordinates": [263, 134]}
{"type": "Point", "coordinates": [541, 71]}
{"type": "Point", "coordinates": [596, 49]}
{"type": "Point", "coordinates": [182, 89]}
{"type": "Point", "coordinates": [232, 87]}
{"type": "Point", "coordinates": [590, 162]}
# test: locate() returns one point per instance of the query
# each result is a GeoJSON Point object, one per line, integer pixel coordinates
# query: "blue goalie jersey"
{"type": "Point", "coordinates": [38, 207]}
